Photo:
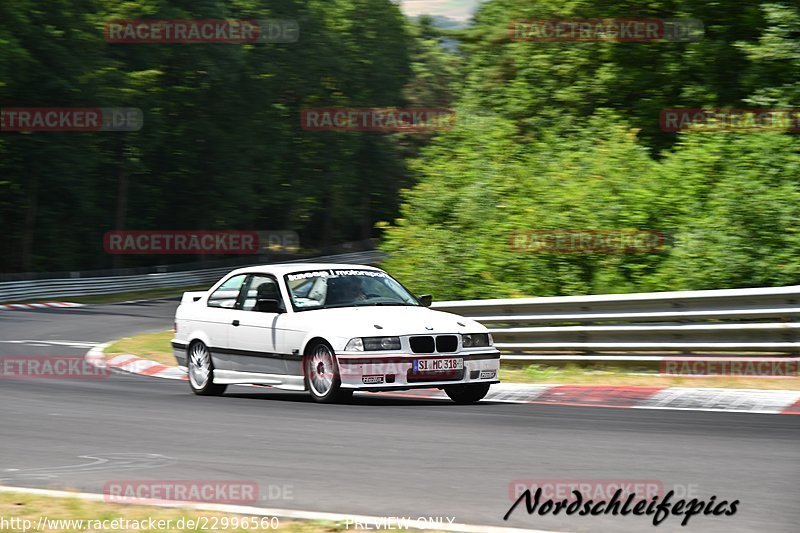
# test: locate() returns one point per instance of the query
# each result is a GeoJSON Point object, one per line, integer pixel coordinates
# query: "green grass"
{"type": "Point", "coordinates": [613, 375]}
{"type": "Point", "coordinates": [156, 347]}
{"type": "Point", "coordinates": [153, 346]}
{"type": "Point", "coordinates": [32, 507]}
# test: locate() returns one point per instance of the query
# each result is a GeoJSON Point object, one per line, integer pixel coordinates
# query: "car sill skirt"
{"type": "Point", "coordinates": [279, 381]}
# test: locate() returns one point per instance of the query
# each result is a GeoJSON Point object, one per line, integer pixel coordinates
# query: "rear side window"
{"type": "Point", "coordinates": [260, 286]}
{"type": "Point", "coordinates": [227, 294]}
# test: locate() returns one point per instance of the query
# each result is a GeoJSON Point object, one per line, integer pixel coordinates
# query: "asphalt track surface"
{"type": "Point", "coordinates": [379, 455]}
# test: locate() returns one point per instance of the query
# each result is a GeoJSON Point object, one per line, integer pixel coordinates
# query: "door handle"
{"type": "Point", "coordinates": [235, 322]}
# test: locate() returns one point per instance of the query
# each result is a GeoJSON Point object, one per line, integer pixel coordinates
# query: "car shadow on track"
{"type": "Point", "coordinates": [364, 400]}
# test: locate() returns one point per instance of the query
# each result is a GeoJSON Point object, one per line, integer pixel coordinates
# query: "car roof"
{"type": "Point", "coordinates": [287, 268]}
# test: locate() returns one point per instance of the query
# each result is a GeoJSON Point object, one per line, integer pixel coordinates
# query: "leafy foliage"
{"type": "Point", "coordinates": [222, 146]}
{"type": "Point", "coordinates": [548, 136]}
{"type": "Point", "coordinates": [565, 136]}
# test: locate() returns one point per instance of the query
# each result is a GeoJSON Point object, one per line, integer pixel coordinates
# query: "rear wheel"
{"type": "Point", "coordinates": [465, 394]}
{"type": "Point", "coordinates": [201, 371]}
{"type": "Point", "coordinates": [322, 375]}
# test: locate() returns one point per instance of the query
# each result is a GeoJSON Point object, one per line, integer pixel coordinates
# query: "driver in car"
{"type": "Point", "coordinates": [353, 289]}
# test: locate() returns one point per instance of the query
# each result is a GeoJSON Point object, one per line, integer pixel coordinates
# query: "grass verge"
{"type": "Point", "coordinates": [32, 507]}
{"type": "Point", "coordinates": [156, 347]}
{"type": "Point", "coordinates": [153, 346]}
{"type": "Point", "coordinates": [611, 375]}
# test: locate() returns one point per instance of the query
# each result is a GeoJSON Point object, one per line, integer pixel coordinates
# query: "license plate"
{"type": "Point", "coordinates": [437, 365]}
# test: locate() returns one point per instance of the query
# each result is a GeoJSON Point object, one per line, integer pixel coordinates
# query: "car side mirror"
{"type": "Point", "coordinates": [425, 300]}
{"type": "Point", "coordinates": [268, 305]}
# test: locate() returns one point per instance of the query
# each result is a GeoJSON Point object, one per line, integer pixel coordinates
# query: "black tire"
{"type": "Point", "coordinates": [465, 394]}
{"type": "Point", "coordinates": [198, 351]}
{"type": "Point", "coordinates": [321, 373]}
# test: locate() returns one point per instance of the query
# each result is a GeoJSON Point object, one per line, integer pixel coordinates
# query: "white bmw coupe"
{"type": "Point", "coordinates": [329, 329]}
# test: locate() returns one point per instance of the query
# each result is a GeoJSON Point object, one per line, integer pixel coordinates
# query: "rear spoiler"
{"type": "Point", "coordinates": [190, 297]}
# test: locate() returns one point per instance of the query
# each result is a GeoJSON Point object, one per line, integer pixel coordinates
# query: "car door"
{"type": "Point", "coordinates": [217, 318]}
{"type": "Point", "coordinates": [254, 335]}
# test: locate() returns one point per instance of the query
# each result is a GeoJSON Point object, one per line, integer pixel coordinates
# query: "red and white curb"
{"type": "Point", "coordinates": [759, 401]}
{"type": "Point", "coordinates": [48, 305]}
{"type": "Point", "coordinates": [133, 364]}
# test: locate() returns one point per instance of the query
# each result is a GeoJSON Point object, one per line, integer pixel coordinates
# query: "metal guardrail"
{"type": "Point", "coordinates": [21, 291]}
{"type": "Point", "coordinates": [738, 322]}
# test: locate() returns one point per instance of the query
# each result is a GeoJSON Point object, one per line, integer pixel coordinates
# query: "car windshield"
{"type": "Point", "coordinates": [324, 289]}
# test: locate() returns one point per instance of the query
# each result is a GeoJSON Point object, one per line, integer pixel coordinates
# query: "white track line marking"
{"type": "Point", "coordinates": [72, 344]}
{"type": "Point", "coordinates": [705, 409]}
{"type": "Point", "coordinates": [280, 513]}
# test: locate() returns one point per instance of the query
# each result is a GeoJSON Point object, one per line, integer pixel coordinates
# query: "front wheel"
{"type": "Point", "coordinates": [201, 371]}
{"type": "Point", "coordinates": [322, 375]}
{"type": "Point", "coordinates": [464, 394]}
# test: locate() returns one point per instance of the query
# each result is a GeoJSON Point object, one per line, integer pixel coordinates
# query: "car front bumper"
{"type": "Point", "coordinates": [369, 372]}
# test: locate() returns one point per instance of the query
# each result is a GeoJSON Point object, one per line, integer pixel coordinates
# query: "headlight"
{"type": "Point", "coordinates": [354, 345]}
{"type": "Point", "coordinates": [373, 344]}
{"type": "Point", "coordinates": [476, 340]}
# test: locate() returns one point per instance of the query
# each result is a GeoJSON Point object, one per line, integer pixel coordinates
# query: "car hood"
{"type": "Point", "coordinates": [381, 321]}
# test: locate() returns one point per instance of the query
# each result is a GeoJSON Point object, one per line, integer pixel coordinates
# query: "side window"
{"type": "Point", "coordinates": [260, 287]}
{"type": "Point", "coordinates": [226, 294]}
